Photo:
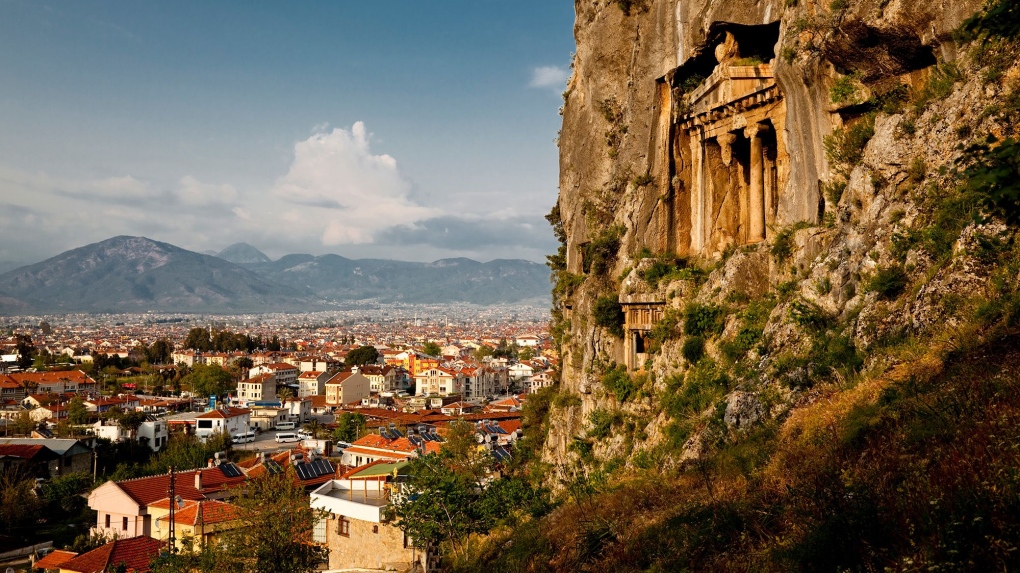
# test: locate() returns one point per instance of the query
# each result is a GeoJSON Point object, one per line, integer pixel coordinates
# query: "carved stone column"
{"type": "Point", "coordinates": [698, 215]}
{"type": "Point", "coordinates": [756, 226]}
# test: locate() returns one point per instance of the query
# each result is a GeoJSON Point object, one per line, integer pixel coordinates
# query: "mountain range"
{"type": "Point", "coordinates": [137, 274]}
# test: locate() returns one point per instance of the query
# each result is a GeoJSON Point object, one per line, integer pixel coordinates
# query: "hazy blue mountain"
{"type": "Point", "coordinates": [133, 274]}
{"type": "Point", "coordinates": [136, 274]}
{"type": "Point", "coordinates": [243, 254]}
{"type": "Point", "coordinates": [334, 277]}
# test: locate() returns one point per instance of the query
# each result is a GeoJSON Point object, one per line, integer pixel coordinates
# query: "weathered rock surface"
{"type": "Point", "coordinates": [627, 159]}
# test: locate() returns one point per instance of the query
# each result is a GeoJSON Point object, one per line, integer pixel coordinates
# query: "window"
{"type": "Point", "coordinates": [344, 527]}
{"type": "Point", "coordinates": [107, 520]}
{"type": "Point", "coordinates": [124, 526]}
{"type": "Point", "coordinates": [375, 529]}
{"type": "Point", "coordinates": [205, 424]}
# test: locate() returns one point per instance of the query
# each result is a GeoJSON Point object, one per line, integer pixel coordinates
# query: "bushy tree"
{"type": "Point", "coordinates": [208, 380]}
{"type": "Point", "coordinates": [362, 355]}
{"type": "Point", "coordinates": [160, 352]}
{"type": "Point", "coordinates": [198, 339]}
{"type": "Point", "coordinates": [277, 540]}
{"type": "Point", "coordinates": [26, 350]}
{"type": "Point", "coordinates": [432, 349]}
{"type": "Point", "coordinates": [18, 502]}
{"type": "Point", "coordinates": [348, 426]}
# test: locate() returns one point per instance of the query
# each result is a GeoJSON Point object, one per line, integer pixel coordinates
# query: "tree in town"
{"type": "Point", "coordinates": [208, 380]}
{"type": "Point", "coordinates": [23, 424]}
{"type": "Point", "coordinates": [160, 351]}
{"type": "Point", "coordinates": [482, 352]}
{"type": "Point", "coordinates": [272, 541]}
{"type": "Point", "coordinates": [131, 421]}
{"type": "Point", "coordinates": [432, 349]}
{"type": "Point", "coordinates": [449, 496]}
{"type": "Point", "coordinates": [274, 344]}
{"type": "Point", "coordinates": [63, 494]}
{"type": "Point", "coordinates": [348, 426]}
{"type": "Point", "coordinates": [77, 413]}
{"type": "Point", "coordinates": [45, 328]}
{"type": "Point", "coordinates": [18, 501]}
{"type": "Point", "coordinates": [313, 427]}
{"type": "Point", "coordinates": [198, 339]}
{"type": "Point", "coordinates": [26, 350]}
{"type": "Point", "coordinates": [361, 356]}
{"type": "Point", "coordinates": [439, 505]}
{"type": "Point", "coordinates": [185, 452]}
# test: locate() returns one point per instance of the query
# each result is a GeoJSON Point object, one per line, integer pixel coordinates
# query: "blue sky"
{"type": "Point", "coordinates": [404, 129]}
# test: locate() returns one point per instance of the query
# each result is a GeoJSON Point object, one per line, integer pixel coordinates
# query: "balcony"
{"type": "Point", "coordinates": [338, 498]}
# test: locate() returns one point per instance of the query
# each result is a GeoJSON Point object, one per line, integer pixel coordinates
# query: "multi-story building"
{"type": "Point", "coordinates": [347, 388]}
{"type": "Point", "coordinates": [286, 374]}
{"type": "Point", "coordinates": [312, 383]}
{"type": "Point", "coordinates": [440, 381]}
{"type": "Point", "coordinates": [381, 378]}
{"type": "Point", "coordinates": [257, 388]}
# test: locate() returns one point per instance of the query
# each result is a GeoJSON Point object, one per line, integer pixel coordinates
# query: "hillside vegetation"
{"type": "Point", "coordinates": [842, 397]}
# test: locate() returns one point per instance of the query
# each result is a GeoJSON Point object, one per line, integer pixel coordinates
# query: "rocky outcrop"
{"type": "Point", "coordinates": [696, 131]}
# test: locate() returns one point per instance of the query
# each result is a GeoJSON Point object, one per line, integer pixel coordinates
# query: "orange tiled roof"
{"type": "Point", "coordinates": [211, 512]}
{"type": "Point", "coordinates": [54, 560]}
{"type": "Point", "coordinates": [225, 413]}
{"type": "Point", "coordinates": [134, 552]}
{"type": "Point", "coordinates": [148, 490]}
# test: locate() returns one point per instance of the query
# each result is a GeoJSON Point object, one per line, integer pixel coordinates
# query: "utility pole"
{"type": "Point", "coordinates": [171, 541]}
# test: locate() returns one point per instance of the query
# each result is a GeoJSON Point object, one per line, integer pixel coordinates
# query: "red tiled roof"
{"type": "Point", "coordinates": [211, 512]}
{"type": "Point", "coordinates": [339, 377]}
{"type": "Point", "coordinates": [39, 377]}
{"type": "Point", "coordinates": [27, 452]}
{"type": "Point", "coordinates": [54, 560]}
{"type": "Point", "coordinates": [150, 489]}
{"type": "Point", "coordinates": [134, 552]}
{"type": "Point", "coordinates": [377, 453]}
{"type": "Point", "coordinates": [224, 413]}
{"type": "Point", "coordinates": [281, 366]}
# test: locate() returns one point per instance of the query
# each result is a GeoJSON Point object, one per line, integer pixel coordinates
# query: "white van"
{"type": "Point", "coordinates": [285, 426]}
{"type": "Point", "coordinates": [304, 435]}
{"type": "Point", "coordinates": [243, 438]}
{"type": "Point", "coordinates": [286, 437]}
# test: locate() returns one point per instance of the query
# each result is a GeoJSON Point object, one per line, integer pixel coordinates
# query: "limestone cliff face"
{"type": "Point", "coordinates": [693, 131]}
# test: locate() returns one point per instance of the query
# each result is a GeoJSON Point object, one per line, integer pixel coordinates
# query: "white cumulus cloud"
{"type": "Point", "coordinates": [548, 77]}
{"type": "Point", "coordinates": [352, 192]}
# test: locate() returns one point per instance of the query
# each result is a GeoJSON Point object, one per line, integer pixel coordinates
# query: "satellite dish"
{"type": "Point", "coordinates": [10, 570]}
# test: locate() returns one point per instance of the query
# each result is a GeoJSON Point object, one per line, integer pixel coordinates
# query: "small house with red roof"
{"type": "Point", "coordinates": [228, 420]}
{"type": "Point", "coordinates": [54, 559]}
{"type": "Point", "coordinates": [122, 508]}
{"type": "Point", "coordinates": [203, 521]}
{"type": "Point", "coordinates": [135, 554]}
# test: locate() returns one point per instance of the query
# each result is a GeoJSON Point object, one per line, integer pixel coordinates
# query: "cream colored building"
{"type": "Point", "coordinates": [347, 388]}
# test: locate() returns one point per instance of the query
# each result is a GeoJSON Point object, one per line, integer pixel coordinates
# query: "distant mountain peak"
{"type": "Point", "coordinates": [243, 254]}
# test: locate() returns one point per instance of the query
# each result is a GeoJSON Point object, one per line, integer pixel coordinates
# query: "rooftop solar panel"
{"type": "Point", "coordinates": [303, 471]}
{"type": "Point", "coordinates": [321, 467]}
{"type": "Point", "coordinates": [272, 467]}
{"type": "Point", "coordinates": [230, 470]}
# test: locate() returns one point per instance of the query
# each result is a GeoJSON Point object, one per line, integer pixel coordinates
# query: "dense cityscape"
{"type": "Point", "coordinates": [109, 403]}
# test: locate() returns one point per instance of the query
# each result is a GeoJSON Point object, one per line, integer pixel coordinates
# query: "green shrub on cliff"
{"type": "Point", "coordinates": [608, 313]}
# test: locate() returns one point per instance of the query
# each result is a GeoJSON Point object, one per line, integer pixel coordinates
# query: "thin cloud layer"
{"type": "Point", "coordinates": [549, 77]}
